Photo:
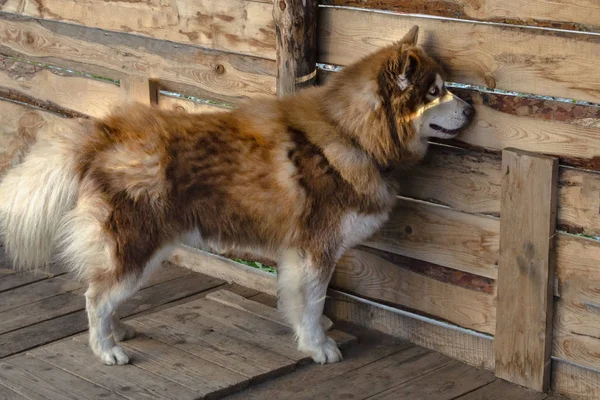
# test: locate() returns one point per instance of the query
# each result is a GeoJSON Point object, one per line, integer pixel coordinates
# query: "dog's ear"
{"type": "Point", "coordinates": [409, 64]}
{"type": "Point", "coordinates": [412, 36]}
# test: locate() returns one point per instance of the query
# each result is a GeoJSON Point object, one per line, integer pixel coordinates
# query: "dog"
{"type": "Point", "coordinates": [301, 178]}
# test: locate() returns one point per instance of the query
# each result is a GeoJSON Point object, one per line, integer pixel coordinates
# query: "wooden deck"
{"type": "Point", "coordinates": [199, 337]}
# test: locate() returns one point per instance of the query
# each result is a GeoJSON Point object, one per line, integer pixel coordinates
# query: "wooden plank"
{"type": "Point", "coordinates": [180, 68]}
{"type": "Point", "coordinates": [377, 376]}
{"type": "Point", "coordinates": [561, 14]}
{"type": "Point", "coordinates": [35, 378]}
{"type": "Point", "coordinates": [12, 279]}
{"type": "Point", "coordinates": [270, 312]}
{"type": "Point", "coordinates": [523, 337]}
{"type": "Point", "coordinates": [37, 291]}
{"type": "Point", "coordinates": [225, 269]}
{"type": "Point", "coordinates": [441, 236]}
{"type": "Point", "coordinates": [139, 89]}
{"type": "Point", "coordinates": [71, 91]}
{"type": "Point", "coordinates": [500, 389]}
{"type": "Point", "coordinates": [66, 325]}
{"type": "Point", "coordinates": [230, 353]}
{"type": "Point", "coordinates": [19, 129]}
{"type": "Point", "coordinates": [128, 381]}
{"type": "Point", "coordinates": [6, 393]}
{"type": "Point", "coordinates": [239, 26]}
{"type": "Point", "coordinates": [574, 381]}
{"type": "Point", "coordinates": [184, 105]}
{"type": "Point", "coordinates": [515, 59]}
{"type": "Point", "coordinates": [372, 347]}
{"type": "Point", "coordinates": [474, 349]}
{"type": "Point", "coordinates": [296, 37]}
{"type": "Point", "coordinates": [203, 377]}
{"type": "Point", "coordinates": [370, 276]}
{"type": "Point", "coordinates": [445, 383]}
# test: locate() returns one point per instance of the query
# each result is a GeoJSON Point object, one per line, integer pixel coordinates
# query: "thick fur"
{"type": "Point", "coordinates": [302, 178]}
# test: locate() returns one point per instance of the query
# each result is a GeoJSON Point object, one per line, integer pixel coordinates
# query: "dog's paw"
{"type": "Point", "coordinates": [114, 355]}
{"type": "Point", "coordinates": [324, 353]}
{"type": "Point", "coordinates": [123, 331]}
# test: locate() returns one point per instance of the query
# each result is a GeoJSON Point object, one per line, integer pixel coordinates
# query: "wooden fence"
{"type": "Point", "coordinates": [470, 264]}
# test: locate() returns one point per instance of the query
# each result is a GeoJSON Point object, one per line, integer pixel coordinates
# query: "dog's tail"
{"type": "Point", "coordinates": [36, 194]}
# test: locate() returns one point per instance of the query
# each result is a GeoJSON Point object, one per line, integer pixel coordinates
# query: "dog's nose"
{"type": "Point", "coordinates": [469, 111]}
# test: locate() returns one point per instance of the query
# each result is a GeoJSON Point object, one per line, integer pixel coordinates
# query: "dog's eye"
{"type": "Point", "coordinates": [434, 91]}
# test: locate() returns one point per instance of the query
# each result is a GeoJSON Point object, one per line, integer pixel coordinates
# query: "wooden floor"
{"type": "Point", "coordinates": [201, 338]}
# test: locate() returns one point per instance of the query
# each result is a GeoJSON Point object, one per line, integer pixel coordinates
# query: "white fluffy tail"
{"type": "Point", "coordinates": [34, 197]}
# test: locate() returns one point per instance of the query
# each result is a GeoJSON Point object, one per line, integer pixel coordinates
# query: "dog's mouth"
{"type": "Point", "coordinates": [449, 132]}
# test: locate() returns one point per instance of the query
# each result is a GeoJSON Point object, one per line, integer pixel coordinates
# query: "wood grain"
{"type": "Point", "coordinates": [514, 59]}
{"type": "Point", "coordinates": [184, 105]}
{"type": "Point", "coordinates": [19, 129]}
{"type": "Point", "coordinates": [500, 389]}
{"type": "Point", "coordinates": [440, 235]}
{"type": "Point", "coordinates": [372, 277]}
{"type": "Point", "coordinates": [179, 68]}
{"type": "Point", "coordinates": [561, 14]}
{"type": "Point", "coordinates": [523, 336]}
{"type": "Point", "coordinates": [74, 92]}
{"type": "Point", "coordinates": [574, 381]}
{"type": "Point", "coordinates": [296, 37]}
{"type": "Point", "coordinates": [238, 26]}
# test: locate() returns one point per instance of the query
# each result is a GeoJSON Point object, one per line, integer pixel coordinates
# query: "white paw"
{"type": "Point", "coordinates": [324, 353]}
{"type": "Point", "coordinates": [122, 331]}
{"type": "Point", "coordinates": [114, 355]}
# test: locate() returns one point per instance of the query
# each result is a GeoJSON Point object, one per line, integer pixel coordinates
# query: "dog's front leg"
{"type": "Point", "coordinates": [303, 302]}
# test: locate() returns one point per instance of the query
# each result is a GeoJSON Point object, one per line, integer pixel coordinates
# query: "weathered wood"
{"type": "Point", "coordinates": [562, 14]}
{"type": "Point", "coordinates": [180, 68]}
{"type": "Point", "coordinates": [372, 347]}
{"type": "Point", "coordinates": [574, 381]}
{"type": "Point", "coordinates": [225, 269]}
{"type": "Point", "coordinates": [378, 376]}
{"type": "Point", "coordinates": [37, 291]}
{"type": "Point", "coordinates": [37, 379]}
{"type": "Point", "coordinates": [239, 26]}
{"type": "Point", "coordinates": [372, 277]}
{"type": "Point", "coordinates": [184, 105]}
{"type": "Point", "coordinates": [19, 129]}
{"type": "Point", "coordinates": [130, 381]}
{"type": "Point", "coordinates": [296, 37]}
{"type": "Point", "coordinates": [500, 389]}
{"type": "Point", "coordinates": [230, 353]}
{"type": "Point", "coordinates": [204, 377]}
{"type": "Point", "coordinates": [139, 89]}
{"type": "Point", "coordinates": [67, 90]}
{"type": "Point", "coordinates": [523, 60]}
{"type": "Point", "coordinates": [441, 236]}
{"type": "Point", "coordinates": [523, 336]}
{"type": "Point", "coordinates": [12, 279]}
{"type": "Point", "coordinates": [445, 383]}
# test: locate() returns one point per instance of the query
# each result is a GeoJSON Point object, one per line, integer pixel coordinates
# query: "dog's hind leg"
{"type": "Point", "coordinates": [290, 299]}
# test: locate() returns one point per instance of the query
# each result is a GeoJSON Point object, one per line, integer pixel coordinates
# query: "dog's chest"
{"type": "Point", "coordinates": [356, 227]}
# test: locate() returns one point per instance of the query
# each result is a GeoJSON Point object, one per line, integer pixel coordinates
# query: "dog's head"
{"type": "Point", "coordinates": [398, 101]}
{"type": "Point", "coordinates": [413, 86]}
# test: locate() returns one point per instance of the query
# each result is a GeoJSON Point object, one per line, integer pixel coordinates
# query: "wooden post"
{"type": "Point", "coordinates": [523, 340]}
{"type": "Point", "coordinates": [140, 89]}
{"type": "Point", "coordinates": [296, 32]}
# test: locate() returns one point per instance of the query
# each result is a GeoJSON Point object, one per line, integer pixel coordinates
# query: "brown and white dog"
{"type": "Point", "coordinates": [302, 178]}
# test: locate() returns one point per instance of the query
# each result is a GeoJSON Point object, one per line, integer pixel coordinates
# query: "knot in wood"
{"type": "Point", "coordinates": [490, 82]}
{"type": "Point", "coordinates": [220, 69]}
{"type": "Point", "coordinates": [282, 5]}
{"type": "Point", "coordinates": [179, 109]}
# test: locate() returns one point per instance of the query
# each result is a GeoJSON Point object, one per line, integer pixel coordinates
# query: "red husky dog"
{"type": "Point", "coordinates": [301, 178]}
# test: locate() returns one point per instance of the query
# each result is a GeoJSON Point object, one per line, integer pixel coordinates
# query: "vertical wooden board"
{"type": "Point", "coordinates": [296, 35]}
{"type": "Point", "coordinates": [139, 89]}
{"type": "Point", "coordinates": [524, 312]}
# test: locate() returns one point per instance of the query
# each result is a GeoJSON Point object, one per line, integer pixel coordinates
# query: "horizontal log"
{"type": "Point", "coordinates": [528, 60]}
{"type": "Point", "coordinates": [562, 14]}
{"type": "Point", "coordinates": [179, 68]}
{"type": "Point", "coordinates": [239, 26]}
